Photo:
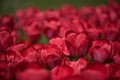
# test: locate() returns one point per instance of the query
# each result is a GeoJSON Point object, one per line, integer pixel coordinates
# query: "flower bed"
{"type": "Point", "coordinates": [84, 44]}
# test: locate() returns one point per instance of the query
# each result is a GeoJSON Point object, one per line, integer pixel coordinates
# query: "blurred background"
{"type": "Point", "coordinates": [10, 6]}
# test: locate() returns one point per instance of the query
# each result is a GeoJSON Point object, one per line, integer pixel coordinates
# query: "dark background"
{"type": "Point", "coordinates": [9, 6]}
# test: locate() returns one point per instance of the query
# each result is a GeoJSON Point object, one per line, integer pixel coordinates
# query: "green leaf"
{"type": "Point", "coordinates": [88, 58]}
{"type": "Point", "coordinates": [22, 35]}
{"type": "Point", "coordinates": [43, 40]}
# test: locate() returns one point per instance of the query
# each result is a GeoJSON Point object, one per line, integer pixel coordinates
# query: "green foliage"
{"type": "Point", "coordinates": [88, 58]}
{"type": "Point", "coordinates": [43, 39]}
{"type": "Point", "coordinates": [22, 35]}
{"type": "Point", "coordinates": [10, 6]}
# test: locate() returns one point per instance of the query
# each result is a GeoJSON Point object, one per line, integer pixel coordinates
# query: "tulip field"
{"type": "Point", "coordinates": [67, 43]}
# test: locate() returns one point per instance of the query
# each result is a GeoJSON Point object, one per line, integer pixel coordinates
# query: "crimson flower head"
{"type": "Point", "coordinates": [115, 72]}
{"type": "Point", "coordinates": [101, 51]}
{"type": "Point", "coordinates": [30, 71]}
{"type": "Point", "coordinates": [51, 23]}
{"type": "Point", "coordinates": [50, 56]}
{"type": "Point", "coordinates": [7, 23]}
{"type": "Point", "coordinates": [116, 57]}
{"type": "Point", "coordinates": [111, 32]}
{"type": "Point", "coordinates": [4, 71]}
{"type": "Point", "coordinates": [96, 71]}
{"type": "Point", "coordinates": [32, 31]}
{"type": "Point", "coordinates": [30, 21]}
{"type": "Point", "coordinates": [62, 72]}
{"type": "Point", "coordinates": [77, 44]}
{"type": "Point", "coordinates": [6, 40]}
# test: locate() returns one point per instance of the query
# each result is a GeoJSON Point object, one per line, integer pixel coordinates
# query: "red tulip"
{"type": "Point", "coordinates": [51, 23]}
{"type": "Point", "coordinates": [78, 65]}
{"type": "Point", "coordinates": [116, 57]}
{"type": "Point", "coordinates": [50, 56]}
{"type": "Point", "coordinates": [96, 71]}
{"type": "Point", "coordinates": [6, 40]}
{"type": "Point", "coordinates": [60, 42]}
{"type": "Point", "coordinates": [4, 71]}
{"type": "Point", "coordinates": [61, 72]}
{"type": "Point", "coordinates": [30, 71]}
{"type": "Point", "coordinates": [115, 72]}
{"type": "Point", "coordinates": [101, 51]}
{"type": "Point", "coordinates": [77, 44]}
